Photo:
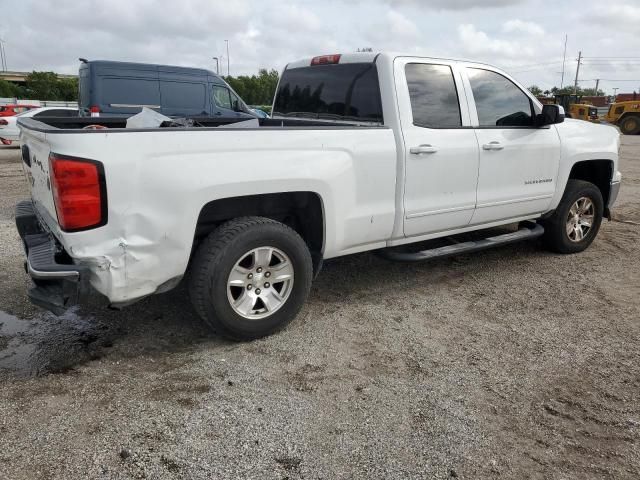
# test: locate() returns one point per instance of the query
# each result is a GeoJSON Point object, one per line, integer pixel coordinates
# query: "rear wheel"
{"type": "Point", "coordinates": [577, 219]}
{"type": "Point", "coordinates": [250, 277]}
{"type": "Point", "coordinates": [630, 125]}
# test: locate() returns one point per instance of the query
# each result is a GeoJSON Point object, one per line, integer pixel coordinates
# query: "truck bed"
{"type": "Point", "coordinates": [205, 122]}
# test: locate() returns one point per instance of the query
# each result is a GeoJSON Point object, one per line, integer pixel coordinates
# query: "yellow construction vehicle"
{"type": "Point", "coordinates": [625, 115]}
{"type": "Point", "coordinates": [574, 108]}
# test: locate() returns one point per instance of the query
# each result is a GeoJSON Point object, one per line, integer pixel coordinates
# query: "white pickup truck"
{"type": "Point", "coordinates": [363, 152]}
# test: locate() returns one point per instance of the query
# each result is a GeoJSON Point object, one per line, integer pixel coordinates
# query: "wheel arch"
{"type": "Point", "coordinates": [628, 114]}
{"type": "Point", "coordinates": [303, 211]}
{"type": "Point", "coordinates": [598, 172]}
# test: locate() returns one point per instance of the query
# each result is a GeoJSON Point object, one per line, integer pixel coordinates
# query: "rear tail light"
{"type": "Point", "coordinates": [326, 59]}
{"type": "Point", "coordinates": [94, 110]}
{"type": "Point", "coordinates": [3, 122]}
{"type": "Point", "coordinates": [79, 192]}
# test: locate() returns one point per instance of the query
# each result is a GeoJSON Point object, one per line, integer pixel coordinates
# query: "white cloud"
{"type": "Point", "coordinates": [459, 4]}
{"type": "Point", "coordinates": [399, 25]}
{"type": "Point", "coordinates": [619, 16]}
{"type": "Point", "coordinates": [519, 26]}
{"type": "Point", "coordinates": [476, 42]}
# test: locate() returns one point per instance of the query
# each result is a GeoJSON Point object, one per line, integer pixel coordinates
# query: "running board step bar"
{"type": "Point", "coordinates": [527, 231]}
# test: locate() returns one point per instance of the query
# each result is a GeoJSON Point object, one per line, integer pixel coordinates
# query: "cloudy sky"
{"type": "Point", "coordinates": [524, 36]}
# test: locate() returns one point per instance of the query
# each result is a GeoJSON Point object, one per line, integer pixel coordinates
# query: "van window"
{"type": "Point", "coordinates": [84, 85]}
{"type": "Point", "coordinates": [183, 95]}
{"type": "Point", "coordinates": [131, 92]}
{"type": "Point", "coordinates": [222, 97]}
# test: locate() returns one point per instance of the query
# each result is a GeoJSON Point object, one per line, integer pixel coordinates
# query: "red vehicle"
{"type": "Point", "coordinates": [13, 109]}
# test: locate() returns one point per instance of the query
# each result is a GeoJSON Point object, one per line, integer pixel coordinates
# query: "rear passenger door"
{"type": "Point", "coordinates": [440, 147]}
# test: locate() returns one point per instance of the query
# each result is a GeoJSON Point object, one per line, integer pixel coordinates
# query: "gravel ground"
{"type": "Point", "coordinates": [511, 363]}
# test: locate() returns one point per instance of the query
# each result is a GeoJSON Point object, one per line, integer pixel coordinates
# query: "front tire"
{"type": "Point", "coordinates": [630, 125]}
{"type": "Point", "coordinates": [576, 221]}
{"type": "Point", "coordinates": [250, 277]}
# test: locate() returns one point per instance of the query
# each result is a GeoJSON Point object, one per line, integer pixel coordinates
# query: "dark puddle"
{"type": "Point", "coordinates": [50, 344]}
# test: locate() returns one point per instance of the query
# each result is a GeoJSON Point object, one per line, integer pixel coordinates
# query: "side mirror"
{"type": "Point", "coordinates": [551, 114]}
{"type": "Point", "coordinates": [236, 106]}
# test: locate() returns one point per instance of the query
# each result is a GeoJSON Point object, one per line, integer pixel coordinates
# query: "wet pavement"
{"type": "Point", "coordinates": [50, 344]}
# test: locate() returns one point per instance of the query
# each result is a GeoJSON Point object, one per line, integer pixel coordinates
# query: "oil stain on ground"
{"type": "Point", "coordinates": [50, 344]}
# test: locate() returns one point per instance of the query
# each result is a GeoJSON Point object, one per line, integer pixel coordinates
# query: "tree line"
{"type": "Point", "coordinates": [42, 86]}
{"type": "Point", "coordinates": [253, 89]}
{"type": "Point", "coordinates": [585, 92]}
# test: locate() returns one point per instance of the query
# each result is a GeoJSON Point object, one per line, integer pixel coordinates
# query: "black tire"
{"type": "Point", "coordinates": [555, 236]}
{"type": "Point", "coordinates": [630, 125]}
{"type": "Point", "coordinates": [218, 255]}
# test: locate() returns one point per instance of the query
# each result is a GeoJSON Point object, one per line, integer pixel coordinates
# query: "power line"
{"type": "Point", "coordinates": [608, 57]}
{"type": "Point", "coordinates": [608, 80]}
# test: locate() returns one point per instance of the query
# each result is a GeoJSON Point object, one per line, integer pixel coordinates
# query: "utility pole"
{"type": "Point", "coordinates": [615, 90]}
{"type": "Point", "coordinates": [597, 83]}
{"type": "Point", "coordinates": [564, 57]}
{"type": "Point", "coordinates": [3, 55]}
{"type": "Point", "coordinates": [575, 84]}
{"type": "Point", "coordinates": [217, 64]}
{"type": "Point", "coordinates": [227, 42]}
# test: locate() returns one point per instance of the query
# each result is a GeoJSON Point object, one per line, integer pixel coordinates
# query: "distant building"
{"type": "Point", "coordinates": [627, 97]}
{"type": "Point", "coordinates": [589, 100]}
{"type": "Point", "coordinates": [596, 101]}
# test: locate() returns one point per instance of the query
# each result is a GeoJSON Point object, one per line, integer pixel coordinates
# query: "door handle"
{"type": "Point", "coordinates": [493, 146]}
{"type": "Point", "coordinates": [426, 148]}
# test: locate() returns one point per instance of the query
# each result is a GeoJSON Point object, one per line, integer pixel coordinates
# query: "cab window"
{"type": "Point", "coordinates": [499, 102]}
{"type": "Point", "coordinates": [433, 94]}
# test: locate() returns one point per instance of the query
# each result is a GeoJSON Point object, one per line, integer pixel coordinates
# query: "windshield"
{"type": "Point", "coordinates": [347, 91]}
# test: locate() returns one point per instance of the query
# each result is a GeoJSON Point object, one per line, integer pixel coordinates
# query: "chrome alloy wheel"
{"type": "Point", "coordinates": [260, 282]}
{"type": "Point", "coordinates": [580, 219]}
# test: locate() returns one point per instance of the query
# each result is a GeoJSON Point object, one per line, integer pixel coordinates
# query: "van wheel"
{"type": "Point", "coordinates": [577, 219]}
{"type": "Point", "coordinates": [630, 125]}
{"type": "Point", "coordinates": [250, 277]}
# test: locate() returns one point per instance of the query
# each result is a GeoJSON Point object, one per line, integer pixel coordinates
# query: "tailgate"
{"type": "Point", "coordinates": [35, 162]}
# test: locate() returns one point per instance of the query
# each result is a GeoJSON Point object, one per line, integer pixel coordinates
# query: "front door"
{"type": "Point", "coordinates": [518, 161]}
{"type": "Point", "coordinates": [441, 150]}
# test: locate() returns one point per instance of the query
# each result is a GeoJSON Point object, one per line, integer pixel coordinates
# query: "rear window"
{"type": "Point", "coordinates": [84, 95]}
{"type": "Point", "coordinates": [347, 91]}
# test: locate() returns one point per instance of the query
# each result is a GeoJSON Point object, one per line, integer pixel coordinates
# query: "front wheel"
{"type": "Point", "coordinates": [577, 219]}
{"type": "Point", "coordinates": [630, 125]}
{"type": "Point", "coordinates": [250, 277]}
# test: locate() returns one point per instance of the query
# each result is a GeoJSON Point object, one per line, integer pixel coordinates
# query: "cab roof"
{"type": "Point", "coordinates": [366, 57]}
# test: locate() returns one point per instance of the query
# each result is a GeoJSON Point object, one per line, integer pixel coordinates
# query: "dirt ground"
{"type": "Point", "coordinates": [510, 363]}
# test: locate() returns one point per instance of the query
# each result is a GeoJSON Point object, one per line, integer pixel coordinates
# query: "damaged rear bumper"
{"type": "Point", "coordinates": [58, 283]}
